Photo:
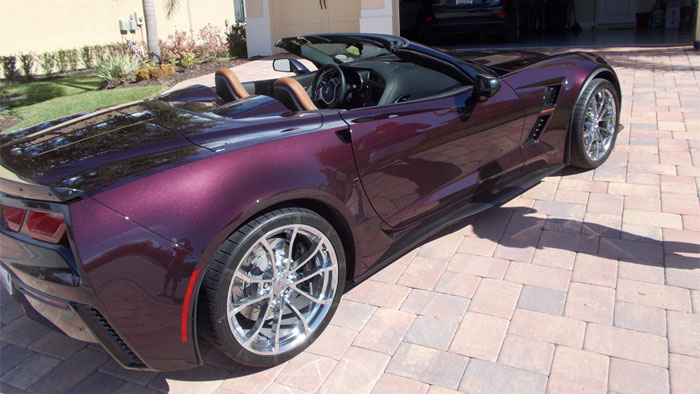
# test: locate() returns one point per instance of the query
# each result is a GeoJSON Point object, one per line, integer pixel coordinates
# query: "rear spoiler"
{"type": "Point", "coordinates": [12, 185]}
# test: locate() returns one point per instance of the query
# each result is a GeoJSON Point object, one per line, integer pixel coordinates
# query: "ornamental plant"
{"type": "Point", "coordinates": [116, 67]}
{"type": "Point", "coordinates": [47, 61]}
{"type": "Point", "coordinates": [62, 60]}
{"type": "Point", "coordinates": [237, 46]}
{"type": "Point", "coordinates": [73, 59]}
{"type": "Point", "coordinates": [27, 62]}
{"type": "Point", "coordinates": [87, 56]}
{"type": "Point", "coordinates": [9, 67]}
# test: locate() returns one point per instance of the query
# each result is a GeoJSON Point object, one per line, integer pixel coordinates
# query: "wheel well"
{"type": "Point", "coordinates": [610, 77]}
{"type": "Point", "coordinates": [334, 218]}
{"type": "Point", "coordinates": [602, 74]}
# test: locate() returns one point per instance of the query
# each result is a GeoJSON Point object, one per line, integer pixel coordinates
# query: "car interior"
{"type": "Point", "coordinates": [350, 85]}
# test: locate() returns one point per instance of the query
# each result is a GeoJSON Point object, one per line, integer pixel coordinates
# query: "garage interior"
{"type": "Point", "coordinates": [565, 23]}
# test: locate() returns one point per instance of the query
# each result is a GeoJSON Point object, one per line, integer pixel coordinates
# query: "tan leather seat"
{"type": "Point", "coordinates": [293, 95]}
{"type": "Point", "coordinates": [228, 86]}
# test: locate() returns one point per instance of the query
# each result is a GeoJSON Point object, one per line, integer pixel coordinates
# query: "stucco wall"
{"type": "Point", "coordinates": [49, 25]}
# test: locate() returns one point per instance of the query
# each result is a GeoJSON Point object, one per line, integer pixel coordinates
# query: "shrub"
{"type": "Point", "coordinates": [211, 43]}
{"type": "Point", "coordinates": [87, 56]}
{"type": "Point", "coordinates": [168, 70]}
{"type": "Point", "coordinates": [98, 53]}
{"type": "Point", "coordinates": [73, 59]}
{"type": "Point", "coordinates": [237, 46]}
{"type": "Point", "coordinates": [27, 62]}
{"type": "Point", "coordinates": [117, 47]}
{"type": "Point", "coordinates": [182, 49]}
{"type": "Point", "coordinates": [47, 61]}
{"type": "Point", "coordinates": [9, 67]}
{"type": "Point", "coordinates": [62, 60]}
{"type": "Point", "coordinates": [142, 74]}
{"type": "Point", "coordinates": [177, 47]}
{"type": "Point", "coordinates": [115, 68]}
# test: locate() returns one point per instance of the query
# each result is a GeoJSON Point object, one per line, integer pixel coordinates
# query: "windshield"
{"type": "Point", "coordinates": [343, 53]}
{"type": "Point", "coordinates": [324, 49]}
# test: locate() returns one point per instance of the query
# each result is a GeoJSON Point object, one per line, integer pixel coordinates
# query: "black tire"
{"type": "Point", "coordinates": [212, 321]}
{"type": "Point", "coordinates": [578, 155]}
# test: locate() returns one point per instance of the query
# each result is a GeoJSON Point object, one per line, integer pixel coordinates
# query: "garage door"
{"type": "Point", "coordinates": [299, 17]}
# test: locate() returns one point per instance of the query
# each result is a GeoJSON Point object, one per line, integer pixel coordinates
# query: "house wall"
{"type": "Point", "coordinates": [269, 20]}
{"type": "Point", "coordinates": [49, 25]}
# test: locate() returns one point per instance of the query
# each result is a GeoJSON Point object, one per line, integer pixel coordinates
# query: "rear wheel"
{"type": "Point", "coordinates": [595, 124]}
{"type": "Point", "coordinates": [272, 287]}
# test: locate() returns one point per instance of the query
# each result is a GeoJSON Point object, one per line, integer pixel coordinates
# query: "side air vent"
{"type": "Point", "coordinates": [549, 105]}
{"type": "Point", "coordinates": [109, 338]}
{"type": "Point", "coordinates": [551, 94]}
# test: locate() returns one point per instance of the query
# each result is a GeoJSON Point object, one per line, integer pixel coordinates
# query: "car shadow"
{"type": "Point", "coordinates": [527, 228]}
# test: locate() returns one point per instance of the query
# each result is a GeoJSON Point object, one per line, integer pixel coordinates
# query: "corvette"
{"type": "Point", "coordinates": [241, 214]}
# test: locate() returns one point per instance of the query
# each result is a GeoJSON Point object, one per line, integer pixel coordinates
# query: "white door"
{"type": "Point", "coordinates": [616, 11]}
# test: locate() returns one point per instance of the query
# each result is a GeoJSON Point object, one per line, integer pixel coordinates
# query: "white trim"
{"type": "Point", "coordinates": [378, 20]}
{"type": "Point", "coordinates": [258, 35]}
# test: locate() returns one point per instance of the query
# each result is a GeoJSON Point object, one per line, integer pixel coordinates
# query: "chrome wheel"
{"type": "Point", "coordinates": [282, 289]}
{"type": "Point", "coordinates": [599, 124]}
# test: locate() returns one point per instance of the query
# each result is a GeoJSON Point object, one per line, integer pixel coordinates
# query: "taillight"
{"type": "Point", "coordinates": [13, 217]}
{"type": "Point", "coordinates": [428, 19]}
{"type": "Point", "coordinates": [46, 226]}
{"type": "Point", "coordinates": [502, 15]}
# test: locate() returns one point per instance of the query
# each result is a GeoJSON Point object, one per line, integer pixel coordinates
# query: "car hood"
{"type": "Point", "coordinates": [503, 61]}
{"type": "Point", "coordinates": [94, 151]}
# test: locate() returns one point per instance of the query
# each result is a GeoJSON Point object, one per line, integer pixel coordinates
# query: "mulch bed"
{"type": "Point", "coordinates": [7, 121]}
{"type": "Point", "coordinates": [189, 73]}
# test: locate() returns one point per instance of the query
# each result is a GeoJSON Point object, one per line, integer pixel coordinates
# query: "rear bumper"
{"type": "Point", "coordinates": [468, 21]}
{"type": "Point", "coordinates": [77, 320]}
{"type": "Point", "coordinates": [104, 284]}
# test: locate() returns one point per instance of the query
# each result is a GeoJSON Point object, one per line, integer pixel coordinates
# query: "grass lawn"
{"type": "Point", "coordinates": [37, 102]}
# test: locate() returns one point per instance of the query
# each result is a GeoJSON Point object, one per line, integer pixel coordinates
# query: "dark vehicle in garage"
{"type": "Point", "coordinates": [432, 19]}
{"type": "Point", "coordinates": [241, 214]}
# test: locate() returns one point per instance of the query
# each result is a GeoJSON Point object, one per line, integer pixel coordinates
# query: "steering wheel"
{"type": "Point", "coordinates": [329, 87]}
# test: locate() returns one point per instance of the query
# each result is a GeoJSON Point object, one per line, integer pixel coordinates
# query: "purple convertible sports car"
{"type": "Point", "coordinates": [241, 214]}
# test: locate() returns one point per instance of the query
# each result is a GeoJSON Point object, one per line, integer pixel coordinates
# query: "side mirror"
{"type": "Point", "coordinates": [486, 86]}
{"type": "Point", "coordinates": [288, 65]}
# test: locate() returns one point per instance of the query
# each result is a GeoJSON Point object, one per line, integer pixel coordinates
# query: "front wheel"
{"type": "Point", "coordinates": [272, 287]}
{"type": "Point", "coordinates": [595, 124]}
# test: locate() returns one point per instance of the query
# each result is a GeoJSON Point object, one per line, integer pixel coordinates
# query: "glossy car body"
{"type": "Point", "coordinates": [150, 190]}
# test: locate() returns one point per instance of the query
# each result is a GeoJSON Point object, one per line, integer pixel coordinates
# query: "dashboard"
{"type": "Point", "coordinates": [371, 83]}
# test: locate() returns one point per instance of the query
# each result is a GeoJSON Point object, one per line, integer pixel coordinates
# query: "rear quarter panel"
{"type": "Point", "coordinates": [192, 209]}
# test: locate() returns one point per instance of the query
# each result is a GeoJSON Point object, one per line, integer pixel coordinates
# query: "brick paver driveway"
{"type": "Point", "coordinates": [588, 282]}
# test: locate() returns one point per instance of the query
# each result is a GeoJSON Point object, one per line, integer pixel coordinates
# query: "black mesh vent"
{"type": "Point", "coordinates": [109, 338]}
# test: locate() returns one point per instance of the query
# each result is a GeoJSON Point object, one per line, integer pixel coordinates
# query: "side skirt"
{"type": "Point", "coordinates": [415, 238]}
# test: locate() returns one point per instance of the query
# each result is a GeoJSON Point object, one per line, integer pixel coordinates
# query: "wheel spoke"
{"type": "Point", "coordinates": [268, 249]}
{"type": "Point", "coordinates": [237, 306]}
{"type": "Point", "coordinates": [248, 279]}
{"type": "Point", "coordinates": [309, 275]}
{"type": "Point", "coordinates": [278, 323]}
{"type": "Point", "coordinates": [305, 259]}
{"type": "Point", "coordinates": [290, 253]}
{"type": "Point", "coordinates": [301, 317]}
{"type": "Point", "coordinates": [258, 325]}
{"type": "Point", "coordinates": [310, 297]}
